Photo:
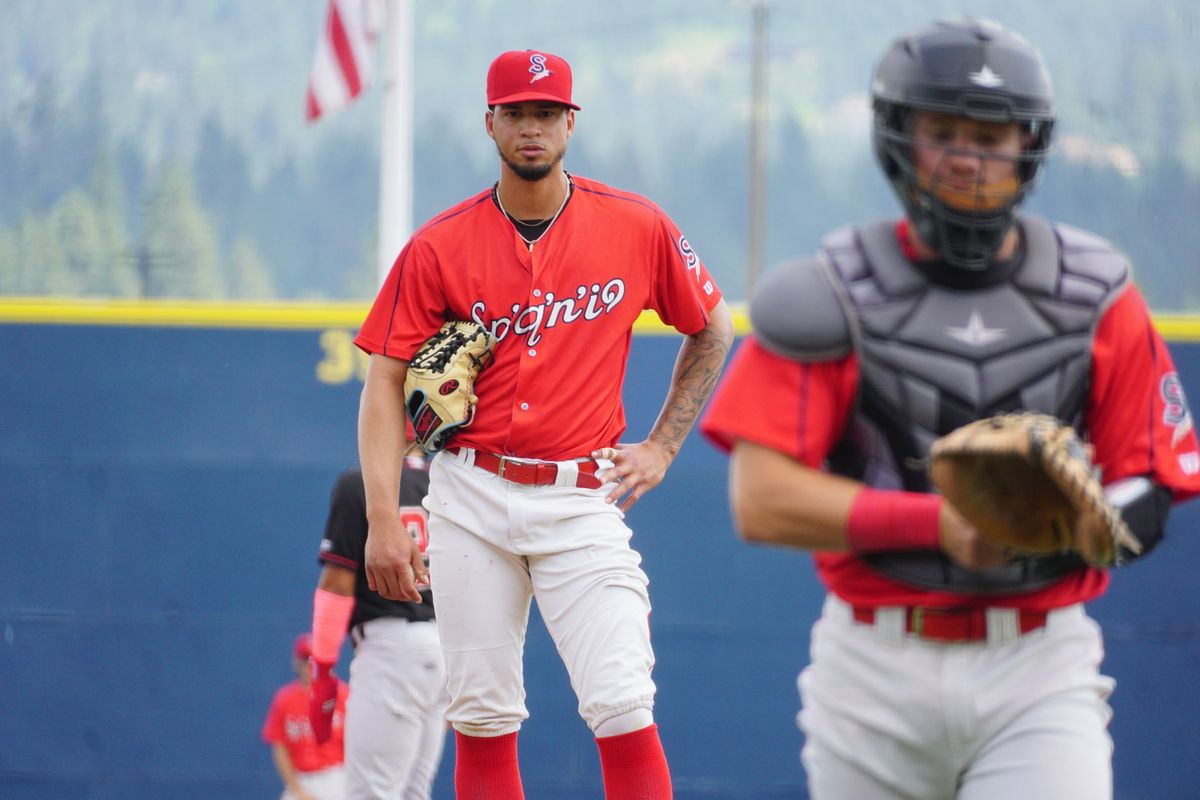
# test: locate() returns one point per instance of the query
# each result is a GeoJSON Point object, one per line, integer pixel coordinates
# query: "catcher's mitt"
{"type": "Point", "coordinates": [1025, 482]}
{"type": "Point", "coordinates": [439, 390]}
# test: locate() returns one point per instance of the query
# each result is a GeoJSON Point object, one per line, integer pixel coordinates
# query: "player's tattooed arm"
{"type": "Point", "coordinates": [696, 371]}
{"type": "Point", "coordinates": [640, 467]}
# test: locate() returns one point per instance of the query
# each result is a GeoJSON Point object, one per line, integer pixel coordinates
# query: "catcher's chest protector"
{"type": "Point", "coordinates": [933, 358]}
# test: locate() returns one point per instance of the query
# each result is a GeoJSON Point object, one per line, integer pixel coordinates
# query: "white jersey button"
{"type": "Point", "coordinates": [537, 292]}
{"type": "Point", "coordinates": [532, 352]}
{"type": "Point", "coordinates": [524, 406]}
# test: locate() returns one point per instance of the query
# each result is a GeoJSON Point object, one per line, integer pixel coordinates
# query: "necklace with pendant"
{"type": "Point", "coordinates": [529, 242]}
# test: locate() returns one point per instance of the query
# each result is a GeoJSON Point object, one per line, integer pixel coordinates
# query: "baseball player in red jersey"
{"type": "Point", "coordinates": [529, 499]}
{"type": "Point", "coordinates": [309, 769]}
{"type": "Point", "coordinates": [394, 716]}
{"type": "Point", "coordinates": [942, 667]}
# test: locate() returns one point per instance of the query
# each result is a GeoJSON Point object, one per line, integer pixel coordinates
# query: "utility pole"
{"type": "Point", "coordinates": [758, 112]}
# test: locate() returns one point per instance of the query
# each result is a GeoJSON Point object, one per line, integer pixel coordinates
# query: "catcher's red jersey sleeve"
{"type": "Point", "coordinates": [1138, 418]}
{"type": "Point", "coordinates": [797, 409]}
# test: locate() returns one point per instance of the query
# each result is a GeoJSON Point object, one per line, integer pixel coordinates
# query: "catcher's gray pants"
{"type": "Point", "coordinates": [394, 715]}
{"type": "Point", "coordinates": [889, 716]}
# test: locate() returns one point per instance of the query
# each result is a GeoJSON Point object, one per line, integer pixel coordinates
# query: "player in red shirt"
{"type": "Point", "coordinates": [529, 500]}
{"type": "Point", "coordinates": [309, 771]}
{"type": "Point", "coordinates": [941, 666]}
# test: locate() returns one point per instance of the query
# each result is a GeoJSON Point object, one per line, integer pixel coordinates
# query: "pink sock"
{"type": "Point", "coordinates": [634, 766]}
{"type": "Point", "coordinates": [485, 768]}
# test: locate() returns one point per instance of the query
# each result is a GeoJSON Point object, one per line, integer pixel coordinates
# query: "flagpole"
{"type": "Point", "coordinates": [396, 144]}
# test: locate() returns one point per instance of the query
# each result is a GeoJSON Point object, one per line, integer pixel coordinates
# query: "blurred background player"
{"type": "Point", "coordinates": [309, 770]}
{"type": "Point", "coordinates": [529, 499]}
{"type": "Point", "coordinates": [942, 666]}
{"type": "Point", "coordinates": [395, 730]}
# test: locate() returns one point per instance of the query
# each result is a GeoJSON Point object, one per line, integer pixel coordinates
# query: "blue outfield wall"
{"type": "Point", "coordinates": [162, 495]}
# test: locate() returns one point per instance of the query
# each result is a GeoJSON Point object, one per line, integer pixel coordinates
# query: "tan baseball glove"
{"type": "Point", "coordinates": [1025, 482]}
{"type": "Point", "coordinates": [440, 388]}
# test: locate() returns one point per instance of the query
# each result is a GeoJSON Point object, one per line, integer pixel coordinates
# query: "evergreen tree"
{"type": "Point", "coordinates": [76, 227]}
{"type": "Point", "coordinates": [362, 277]}
{"type": "Point", "coordinates": [180, 241]}
{"type": "Point", "coordinates": [791, 227]}
{"type": "Point", "coordinates": [222, 173]}
{"type": "Point", "coordinates": [108, 195]}
{"type": "Point", "coordinates": [342, 206]}
{"type": "Point", "coordinates": [10, 283]}
{"type": "Point", "coordinates": [131, 167]}
{"type": "Point", "coordinates": [249, 276]}
{"type": "Point", "coordinates": [10, 175]}
{"type": "Point", "coordinates": [274, 218]}
{"type": "Point", "coordinates": [41, 262]}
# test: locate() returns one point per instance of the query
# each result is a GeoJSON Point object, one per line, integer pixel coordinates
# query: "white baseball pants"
{"type": "Point", "coordinates": [493, 546]}
{"type": "Point", "coordinates": [394, 715]}
{"type": "Point", "coordinates": [889, 716]}
{"type": "Point", "coordinates": [322, 784]}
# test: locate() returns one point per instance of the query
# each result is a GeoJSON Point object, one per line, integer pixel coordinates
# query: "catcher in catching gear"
{"type": "Point", "coordinates": [439, 388]}
{"type": "Point", "coordinates": [1025, 482]}
{"type": "Point", "coordinates": [954, 657]}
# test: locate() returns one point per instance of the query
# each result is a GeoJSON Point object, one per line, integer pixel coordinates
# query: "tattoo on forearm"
{"type": "Point", "coordinates": [696, 371]}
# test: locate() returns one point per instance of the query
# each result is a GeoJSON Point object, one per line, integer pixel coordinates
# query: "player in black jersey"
{"type": "Point", "coordinates": [394, 717]}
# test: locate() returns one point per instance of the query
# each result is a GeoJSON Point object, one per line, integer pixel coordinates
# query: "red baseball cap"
{"type": "Point", "coordinates": [302, 648]}
{"type": "Point", "coordinates": [520, 76]}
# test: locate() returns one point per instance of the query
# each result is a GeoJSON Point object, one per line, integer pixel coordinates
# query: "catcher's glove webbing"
{"type": "Point", "coordinates": [439, 390]}
{"type": "Point", "coordinates": [1025, 482]}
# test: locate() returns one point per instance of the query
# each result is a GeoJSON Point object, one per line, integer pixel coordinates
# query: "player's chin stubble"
{"type": "Point", "coordinates": [529, 172]}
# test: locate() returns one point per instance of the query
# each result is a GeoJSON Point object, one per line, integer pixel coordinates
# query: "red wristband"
{"type": "Point", "coordinates": [887, 520]}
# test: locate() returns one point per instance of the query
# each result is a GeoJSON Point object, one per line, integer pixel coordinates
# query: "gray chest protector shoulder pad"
{"type": "Point", "coordinates": [1093, 272]}
{"type": "Point", "coordinates": [797, 312]}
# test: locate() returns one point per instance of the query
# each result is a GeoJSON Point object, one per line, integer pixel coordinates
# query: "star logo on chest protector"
{"type": "Point", "coordinates": [975, 333]}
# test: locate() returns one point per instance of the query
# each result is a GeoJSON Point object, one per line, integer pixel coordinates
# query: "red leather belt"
{"type": "Point", "coordinates": [534, 473]}
{"type": "Point", "coordinates": [952, 624]}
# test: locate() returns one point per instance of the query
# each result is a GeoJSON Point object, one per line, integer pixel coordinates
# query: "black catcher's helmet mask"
{"type": "Point", "coordinates": [972, 68]}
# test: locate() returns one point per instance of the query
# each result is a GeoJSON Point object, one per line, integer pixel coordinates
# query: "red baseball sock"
{"type": "Point", "coordinates": [634, 766]}
{"type": "Point", "coordinates": [485, 768]}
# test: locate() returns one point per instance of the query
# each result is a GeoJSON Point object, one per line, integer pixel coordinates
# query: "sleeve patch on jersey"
{"type": "Point", "coordinates": [1176, 414]}
{"type": "Point", "coordinates": [691, 261]}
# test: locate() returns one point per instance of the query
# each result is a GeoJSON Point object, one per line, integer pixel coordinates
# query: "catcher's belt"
{"type": "Point", "coordinates": [965, 624]}
{"type": "Point", "coordinates": [528, 472]}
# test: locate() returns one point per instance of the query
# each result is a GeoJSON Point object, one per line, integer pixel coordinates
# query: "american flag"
{"type": "Point", "coordinates": [345, 55]}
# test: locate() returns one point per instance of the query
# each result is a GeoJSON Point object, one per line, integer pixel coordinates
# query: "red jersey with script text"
{"type": "Point", "coordinates": [562, 311]}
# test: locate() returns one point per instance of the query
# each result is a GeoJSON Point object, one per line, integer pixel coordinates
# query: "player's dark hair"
{"type": "Point", "coordinates": [973, 68]}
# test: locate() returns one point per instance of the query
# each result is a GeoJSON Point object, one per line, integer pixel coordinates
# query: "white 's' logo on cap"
{"type": "Point", "coordinates": [538, 68]}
